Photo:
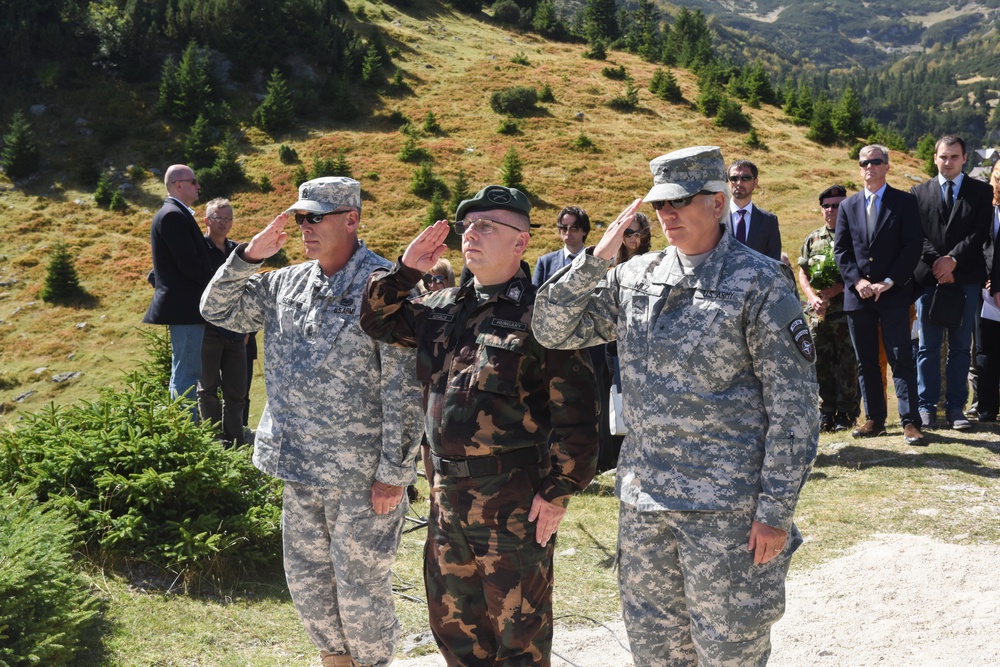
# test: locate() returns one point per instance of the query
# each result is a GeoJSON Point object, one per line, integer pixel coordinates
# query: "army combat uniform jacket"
{"type": "Point", "coordinates": [341, 407]}
{"type": "Point", "coordinates": [719, 389]}
{"type": "Point", "coordinates": [488, 386]}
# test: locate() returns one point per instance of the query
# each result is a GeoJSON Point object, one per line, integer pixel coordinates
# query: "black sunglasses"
{"type": "Point", "coordinates": [678, 203]}
{"type": "Point", "coordinates": [316, 218]}
{"type": "Point", "coordinates": [736, 178]}
{"type": "Point", "coordinates": [629, 233]}
{"type": "Point", "coordinates": [874, 163]}
{"type": "Point", "coordinates": [830, 206]}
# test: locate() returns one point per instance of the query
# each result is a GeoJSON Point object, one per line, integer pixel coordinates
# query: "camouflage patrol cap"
{"type": "Point", "coordinates": [493, 197]}
{"type": "Point", "coordinates": [685, 172]}
{"type": "Point", "coordinates": [323, 195]}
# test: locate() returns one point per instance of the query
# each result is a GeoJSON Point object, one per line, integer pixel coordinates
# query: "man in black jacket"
{"type": "Point", "coordinates": [181, 270]}
{"type": "Point", "coordinates": [751, 225]}
{"type": "Point", "coordinates": [877, 245]}
{"type": "Point", "coordinates": [955, 213]}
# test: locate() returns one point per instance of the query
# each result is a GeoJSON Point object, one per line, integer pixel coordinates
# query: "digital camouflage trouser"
{"type": "Point", "coordinates": [489, 584]}
{"type": "Point", "coordinates": [691, 594]}
{"type": "Point", "coordinates": [337, 555]}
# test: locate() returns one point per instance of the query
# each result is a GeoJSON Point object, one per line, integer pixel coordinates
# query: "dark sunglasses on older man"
{"type": "Point", "coordinates": [316, 218]}
{"type": "Point", "coordinates": [678, 203]}
{"type": "Point", "coordinates": [877, 162]}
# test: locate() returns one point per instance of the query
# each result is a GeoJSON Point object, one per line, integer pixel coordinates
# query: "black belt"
{"type": "Point", "coordinates": [481, 466]}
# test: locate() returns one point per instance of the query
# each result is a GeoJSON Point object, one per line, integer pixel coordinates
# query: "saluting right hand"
{"type": "Point", "coordinates": [425, 250]}
{"type": "Point", "coordinates": [267, 241]}
{"type": "Point", "coordinates": [608, 246]}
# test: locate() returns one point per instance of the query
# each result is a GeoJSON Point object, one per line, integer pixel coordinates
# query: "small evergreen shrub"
{"type": "Point", "coordinates": [265, 184]}
{"type": "Point", "coordinates": [47, 606]}
{"type": "Point", "coordinates": [20, 156]}
{"type": "Point", "coordinates": [521, 59]}
{"type": "Point", "coordinates": [509, 126]}
{"type": "Point", "coordinates": [223, 177]}
{"type": "Point", "coordinates": [730, 116]}
{"type": "Point", "coordinates": [506, 12]}
{"type": "Point", "coordinates": [118, 203]}
{"type": "Point", "coordinates": [614, 73]}
{"type": "Point", "coordinates": [664, 85]}
{"type": "Point", "coordinates": [299, 176]}
{"type": "Point", "coordinates": [287, 154]}
{"type": "Point", "coordinates": [459, 190]}
{"type": "Point", "coordinates": [516, 101]}
{"type": "Point", "coordinates": [511, 174]}
{"type": "Point", "coordinates": [424, 183]}
{"type": "Point", "coordinates": [413, 152]}
{"type": "Point", "coordinates": [583, 144]}
{"type": "Point", "coordinates": [436, 210]}
{"type": "Point", "coordinates": [596, 51]}
{"type": "Point", "coordinates": [545, 94]}
{"type": "Point", "coordinates": [276, 112]}
{"type": "Point", "coordinates": [627, 102]}
{"type": "Point", "coordinates": [753, 141]}
{"type": "Point", "coordinates": [102, 195]}
{"type": "Point", "coordinates": [62, 284]}
{"type": "Point", "coordinates": [431, 125]}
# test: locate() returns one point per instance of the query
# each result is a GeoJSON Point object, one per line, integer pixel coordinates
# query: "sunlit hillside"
{"type": "Point", "coordinates": [451, 63]}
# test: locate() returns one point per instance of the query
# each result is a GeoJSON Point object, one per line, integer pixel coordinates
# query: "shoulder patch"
{"type": "Point", "coordinates": [798, 329]}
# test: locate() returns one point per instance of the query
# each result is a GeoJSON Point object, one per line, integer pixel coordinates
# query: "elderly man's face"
{"type": "Point", "coordinates": [220, 221]}
{"type": "Point", "coordinates": [490, 255]}
{"type": "Point", "coordinates": [871, 173]}
{"type": "Point", "coordinates": [694, 229]}
{"type": "Point", "coordinates": [830, 207]}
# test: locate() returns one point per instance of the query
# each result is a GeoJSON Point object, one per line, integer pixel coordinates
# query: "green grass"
{"type": "Point", "coordinates": [858, 488]}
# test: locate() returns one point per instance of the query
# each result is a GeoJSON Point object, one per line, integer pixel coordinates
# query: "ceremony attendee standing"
{"type": "Point", "coordinates": [752, 226]}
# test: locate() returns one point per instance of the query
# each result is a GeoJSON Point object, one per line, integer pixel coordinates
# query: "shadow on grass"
{"type": "Point", "coordinates": [864, 458]}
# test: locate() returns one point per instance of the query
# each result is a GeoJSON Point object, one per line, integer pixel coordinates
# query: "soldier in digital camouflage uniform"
{"type": "Point", "coordinates": [720, 401]}
{"type": "Point", "coordinates": [341, 425]}
{"type": "Point", "coordinates": [836, 365]}
{"type": "Point", "coordinates": [494, 401]}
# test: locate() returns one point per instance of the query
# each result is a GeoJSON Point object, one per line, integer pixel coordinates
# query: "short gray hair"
{"type": "Point", "coordinates": [215, 204]}
{"type": "Point", "coordinates": [875, 147]}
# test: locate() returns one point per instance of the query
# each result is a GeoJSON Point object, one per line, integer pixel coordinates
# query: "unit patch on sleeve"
{"type": "Point", "coordinates": [799, 331]}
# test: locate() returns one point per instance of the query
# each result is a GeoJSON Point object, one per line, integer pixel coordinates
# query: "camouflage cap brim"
{"type": "Point", "coordinates": [685, 172]}
{"type": "Point", "coordinates": [323, 195]}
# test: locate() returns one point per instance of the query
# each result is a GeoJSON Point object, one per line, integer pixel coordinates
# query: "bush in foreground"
{"type": "Point", "coordinates": [46, 605]}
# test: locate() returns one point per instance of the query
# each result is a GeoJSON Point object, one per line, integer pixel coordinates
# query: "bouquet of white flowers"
{"type": "Point", "coordinates": [823, 271]}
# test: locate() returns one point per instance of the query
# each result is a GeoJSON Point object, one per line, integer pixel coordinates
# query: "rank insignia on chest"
{"type": "Point", "coordinates": [515, 291]}
{"type": "Point", "coordinates": [346, 301]}
{"type": "Point", "coordinates": [799, 331]}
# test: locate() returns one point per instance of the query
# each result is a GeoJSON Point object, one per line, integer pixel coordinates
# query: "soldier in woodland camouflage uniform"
{"type": "Point", "coordinates": [720, 403]}
{"type": "Point", "coordinates": [341, 424]}
{"type": "Point", "coordinates": [494, 401]}
{"type": "Point", "coordinates": [836, 365]}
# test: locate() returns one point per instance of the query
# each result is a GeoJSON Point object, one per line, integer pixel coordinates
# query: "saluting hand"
{"type": "Point", "coordinates": [268, 241]}
{"type": "Point", "coordinates": [425, 250]}
{"type": "Point", "coordinates": [608, 246]}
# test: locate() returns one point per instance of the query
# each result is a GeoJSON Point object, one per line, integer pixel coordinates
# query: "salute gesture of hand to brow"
{"type": "Point", "coordinates": [425, 250]}
{"type": "Point", "coordinates": [267, 241]}
{"type": "Point", "coordinates": [608, 246]}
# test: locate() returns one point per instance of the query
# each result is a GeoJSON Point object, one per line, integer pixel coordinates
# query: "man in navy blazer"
{"type": "Point", "coordinates": [752, 226]}
{"type": "Point", "coordinates": [573, 224]}
{"type": "Point", "coordinates": [877, 245]}
{"type": "Point", "coordinates": [181, 271]}
{"type": "Point", "coordinates": [955, 212]}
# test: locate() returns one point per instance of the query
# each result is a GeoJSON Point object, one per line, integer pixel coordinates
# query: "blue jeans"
{"type": "Point", "coordinates": [959, 354]}
{"type": "Point", "coordinates": [185, 364]}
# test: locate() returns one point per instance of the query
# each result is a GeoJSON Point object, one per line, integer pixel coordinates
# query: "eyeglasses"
{"type": "Point", "coordinates": [316, 218]}
{"type": "Point", "coordinates": [874, 163]}
{"type": "Point", "coordinates": [829, 206]}
{"type": "Point", "coordinates": [482, 226]}
{"type": "Point", "coordinates": [736, 178]}
{"type": "Point", "coordinates": [192, 181]}
{"type": "Point", "coordinates": [219, 218]}
{"type": "Point", "coordinates": [435, 280]}
{"type": "Point", "coordinates": [629, 233]}
{"type": "Point", "coordinates": [568, 228]}
{"type": "Point", "coordinates": [678, 203]}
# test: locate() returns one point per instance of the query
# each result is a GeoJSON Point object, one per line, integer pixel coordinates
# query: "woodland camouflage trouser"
{"type": "Point", "coordinates": [489, 583]}
{"type": "Point", "coordinates": [691, 594]}
{"type": "Point", "coordinates": [337, 555]}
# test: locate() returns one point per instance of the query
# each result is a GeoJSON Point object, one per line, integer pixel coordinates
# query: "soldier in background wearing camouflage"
{"type": "Point", "coordinates": [836, 365]}
{"type": "Point", "coordinates": [494, 399]}
{"type": "Point", "coordinates": [720, 402]}
{"type": "Point", "coordinates": [341, 424]}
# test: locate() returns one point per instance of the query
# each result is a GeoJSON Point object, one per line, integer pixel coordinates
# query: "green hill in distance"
{"type": "Point", "coordinates": [451, 63]}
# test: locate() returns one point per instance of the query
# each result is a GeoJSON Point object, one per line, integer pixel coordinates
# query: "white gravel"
{"type": "Point", "coordinates": [896, 601]}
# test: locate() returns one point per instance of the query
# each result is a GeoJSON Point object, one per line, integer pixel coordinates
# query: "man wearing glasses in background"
{"type": "Point", "coordinates": [877, 244]}
{"type": "Point", "coordinates": [573, 224]}
{"type": "Point", "coordinates": [510, 426]}
{"type": "Point", "coordinates": [721, 407]}
{"type": "Point", "coordinates": [181, 269]}
{"type": "Point", "coordinates": [341, 424]}
{"type": "Point", "coordinates": [752, 226]}
{"type": "Point", "coordinates": [823, 289]}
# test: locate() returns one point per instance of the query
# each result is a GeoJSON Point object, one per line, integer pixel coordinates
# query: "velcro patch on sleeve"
{"type": "Point", "coordinates": [798, 329]}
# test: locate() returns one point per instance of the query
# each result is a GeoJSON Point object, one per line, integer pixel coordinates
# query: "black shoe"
{"type": "Point", "coordinates": [869, 429]}
{"type": "Point", "coordinates": [843, 422]}
{"type": "Point", "coordinates": [987, 417]}
{"type": "Point", "coordinates": [957, 421]}
{"type": "Point", "coordinates": [828, 423]}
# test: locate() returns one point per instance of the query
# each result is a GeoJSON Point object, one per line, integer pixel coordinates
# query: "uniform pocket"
{"type": "Point", "coordinates": [498, 366]}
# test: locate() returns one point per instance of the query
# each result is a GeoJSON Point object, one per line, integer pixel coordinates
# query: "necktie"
{"type": "Point", "coordinates": [741, 228]}
{"type": "Point", "coordinates": [871, 216]}
{"type": "Point", "coordinates": [949, 196]}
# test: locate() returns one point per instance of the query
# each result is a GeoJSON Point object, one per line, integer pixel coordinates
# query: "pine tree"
{"type": "Point", "coordinates": [103, 192]}
{"type": "Point", "coordinates": [371, 67]}
{"type": "Point", "coordinates": [600, 21]}
{"type": "Point", "coordinates": [192, 84]}
{"type": "Point", "coordinates": [848, 117]}
{"type": "Point", "coordinates": [821, 128]}
{"type": "Point", "coordinates": [436, 210]}
{"type": "Point", "coordinates": [198, 150]}
{"type": "Point", "coordinates": [340, 166]}
{"type": "Point", "coordinates": [62, 283]}
{"type": "Point", "coordinates": [118, 203]}
{"type": "Point", "coordinates": [459, 190]}
{"type": "Point", "coordinates": [276, 112]}
{"type": "Point", "coordinates": [299, 176]}
{"type": "Point", "coordinates": [20, 156]}
{"type": "Point", "coordinates": [510, 170]}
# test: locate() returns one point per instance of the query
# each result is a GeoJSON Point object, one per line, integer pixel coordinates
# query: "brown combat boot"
{"type": "Point", "coordinates": [336, 659]}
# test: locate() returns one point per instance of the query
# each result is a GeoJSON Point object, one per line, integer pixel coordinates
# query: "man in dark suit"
{"type": "Point", "coordinates": [181, 270]}
{"type": "Point", "coordinates": [752, 226]}
{"type": "Point", "coordinates": [955, 213]}
{"type": "Point", "coordinates": [988, 353]}
{"type": "Point", "coordinates": [573, 224]}
{"type": "Point", "coordinates": [877, 244]}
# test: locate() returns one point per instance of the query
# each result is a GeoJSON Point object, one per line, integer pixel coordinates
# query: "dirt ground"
{"type": "Point", "coordinates": [894, 601]}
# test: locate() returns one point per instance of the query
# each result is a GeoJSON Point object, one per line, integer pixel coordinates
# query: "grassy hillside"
{"type": "Point", "coordinates": [451, 63]}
